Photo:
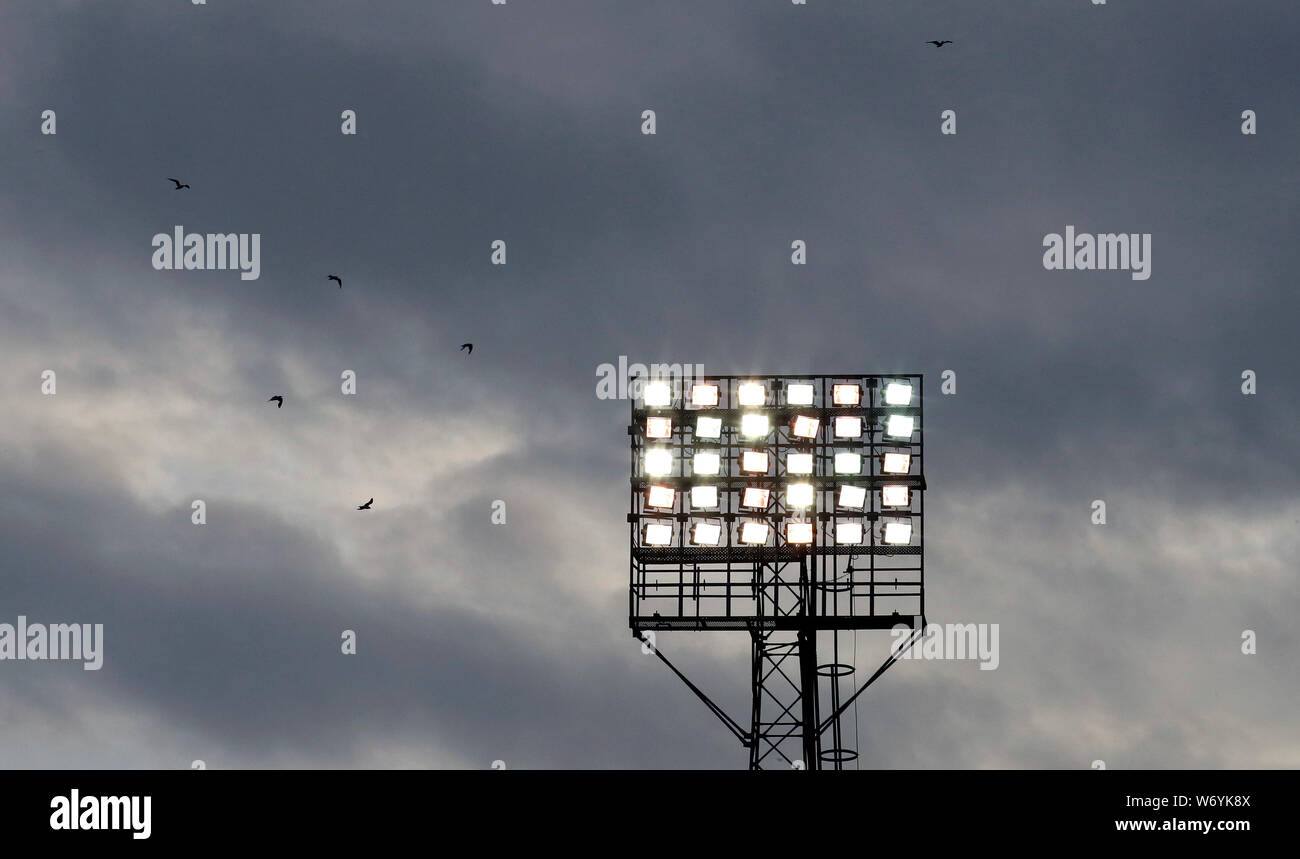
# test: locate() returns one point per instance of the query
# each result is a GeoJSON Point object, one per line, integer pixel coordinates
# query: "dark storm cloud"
{"type": "Point", "coordinates": [233, 630]}
{"type": "Point", "coordinates": [522, 123]}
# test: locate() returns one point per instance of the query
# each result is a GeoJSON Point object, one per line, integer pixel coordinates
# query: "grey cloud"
{"type": "Point", "coordinates": [522, 123]}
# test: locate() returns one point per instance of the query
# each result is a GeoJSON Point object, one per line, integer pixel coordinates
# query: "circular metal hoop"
{"type": "Point", "coordinates": [838, 756]}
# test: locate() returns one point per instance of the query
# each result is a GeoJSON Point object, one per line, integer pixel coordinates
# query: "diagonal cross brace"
{"type": "Point", "coordinates": [732, 724]}
{"type": "Point", "coordinates": [893, 657]}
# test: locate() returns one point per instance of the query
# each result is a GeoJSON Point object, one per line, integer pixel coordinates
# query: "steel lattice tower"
{"type": "Point", "coordinates": [790, 508]}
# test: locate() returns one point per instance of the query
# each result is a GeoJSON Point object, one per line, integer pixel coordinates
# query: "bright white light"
{"type": "Point", "coordinates": [846, 395]}
{"type": "Point", "coordinates": [704, 395]}
{"type": "Point", "coordinates": [708, 428]}
{"type": "Point", "coordinates": [848, 533]}
{"type": "Point", "coordinates": [848, 426]}
{"type": "Point", "coordinates": [704, 496]}
{"type": "Point", "coordinates": [753, 532]}
{"type": "Point", "coordinates": [751, 394]}
{"type": "Point", "coordinates": [898, 533]}
{"type": "Point", "coordinates": [658, 427]}
{"type": "Point", "coordinates": [657, 394]}
{"type": "Point", "coordinates": [894, 496]}
{"type": "Point", "coordinates": [706, 534]}
{"type": "Point", "coordinates": [755, 496]}
{"type": "Point", "coordinates": [898, 394]}
{"type": "Point", "coordinates": [706, 463]}
{"type": "Point", "coordinates": [754, 461]}
{"type": "Point", "coordinates": [799, 463]}
{"type": "Point", "coordinates": [658, 462]}
{"type": "Point", "coordinates": [799, 394]}
{"type": "Point", "coordinates": [805, 427]}
{"type": "Point", "coordinates": [848, 463]}
{"type": "Point", "coordinates": [658, 534]}
{"type": "Point", "coordinates": [799, 495]}
{"type": "Point", "coordinates": [897, 463]}
{"type": "Point", "coordinates": [899, 426]}
{"type": "Point", "coordinates": [798, 532]}
{"type": "Point", "coordinates": [661, 496]}
{"type": "Point", "coordinates": [853, 496]}
{"type": "Point", "coordinates": [754, 426]}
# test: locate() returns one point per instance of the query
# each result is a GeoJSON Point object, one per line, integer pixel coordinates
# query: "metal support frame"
{"type": "Point", "coordinates": [785, 596]}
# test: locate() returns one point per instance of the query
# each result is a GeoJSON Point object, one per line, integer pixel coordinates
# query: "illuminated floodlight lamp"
{"type": "Point", "coordinates": [898, 394]}
{"type": "Point", "coordinates": [898, 533]}
{"type": "Point", "coordinates": [754, 426]}
{"type": "Point", "coordinates": [658, 534]}
{"type": "Point", "coordinates": [704, 395]}
{"type": "Point", "coordinates": [661, 496]}
{"type": "Point", "coordinates": [853, 496]}
{"type": "Point", "coordinates": [658, 462]}
{"type": "Point", "coordinates": [657, 394]}
{"type": "Point", "coordinates": [848, 463]}
{"type": "Point", "coordinates": [751, 394]}
{"type": "Point", "coordinates": [708, 428]}
{"type": "Point", "coordinates": [848, 533]}
{"type": "Point", "coordinates": [897, 463]}
{"type": "Point", "coordinates": [848, 426]}
{"type": "Point", "coordinates": [799, 495]}
{"type": "Point", "coordinates": [756, 497]}
{"type": "Point", "coordinates": [754, 533]}
{"type": "Point", "coordinates": [704, 496]}
{"type": "Point", "coordinates": [799, 463]}
{"type": "Point", "coordinates": [805, 427]}
{"type": "Point", "coordinates": [799, 532]}
{"type": "Point", "coordinates": [799, 394]}
{"type": "Point", "coordinates": [658, 427]}
{"type": "Point", "coordinates": [899, 426]}
{"type": "Point", "coordinates": [706, 463]}
{"type": "Point", "coordinates": [706, 534]}
{"type": "Point", "coordinates": [754, 462]}
{"type": "Point", "coordinates": [846, 395]}
{"type": "Point", "coordinates": [894, 496]}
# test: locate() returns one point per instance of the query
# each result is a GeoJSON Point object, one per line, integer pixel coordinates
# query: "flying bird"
{"type": "Point", "coordinates": [467, 347]}
{"type": "Point", "coordinates": [178, 183]}
{"type": "Point", "coordinates": [366, 506]}
{"type": "Point", "coordinates": [939, 43]}
{"type": "Point", "coordinates": [278, 400]}
{"type": "Point", "coordinates": [336, 277]}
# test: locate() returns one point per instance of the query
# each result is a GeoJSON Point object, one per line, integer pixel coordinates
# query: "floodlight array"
{"type": "Point", "coordinates": [772, 462]}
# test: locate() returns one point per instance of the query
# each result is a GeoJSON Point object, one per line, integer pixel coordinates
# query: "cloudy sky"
{"type": "Point", "coordinates": [522, 122]}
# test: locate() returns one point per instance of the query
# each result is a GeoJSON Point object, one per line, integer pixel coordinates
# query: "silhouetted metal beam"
{"type": "Point", "coordinates": [731, 723]}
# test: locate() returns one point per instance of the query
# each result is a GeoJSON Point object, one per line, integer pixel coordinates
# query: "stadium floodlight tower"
{"type": "Point", "coordinates": [790, 508]}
